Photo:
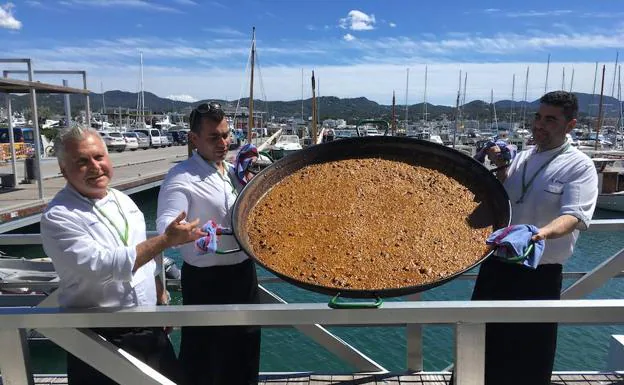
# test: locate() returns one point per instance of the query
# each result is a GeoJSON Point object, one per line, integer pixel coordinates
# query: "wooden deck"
{"type": "Point", "coordinates": [440, 378]}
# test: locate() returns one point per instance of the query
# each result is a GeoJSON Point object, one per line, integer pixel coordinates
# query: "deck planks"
{"type": "Point", "coordinates": [383, 379]}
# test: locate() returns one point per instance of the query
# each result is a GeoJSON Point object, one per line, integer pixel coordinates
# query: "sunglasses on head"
{"type": "Point", "coordinates": [204, 109]}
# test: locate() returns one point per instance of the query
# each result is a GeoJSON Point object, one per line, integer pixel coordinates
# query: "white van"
{"type": "Point", "coordinates": [153, 134]}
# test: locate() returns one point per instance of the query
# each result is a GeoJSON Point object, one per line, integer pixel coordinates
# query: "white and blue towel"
{"type": "Point", "coordinates": [514, 244]}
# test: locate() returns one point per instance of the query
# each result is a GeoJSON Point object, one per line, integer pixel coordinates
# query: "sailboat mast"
{"type": "Point", "coordinates": [103, 101]}
{"type": "Point", "coordinates": [314, 138]}
{"type": "Point", "coordinates": [513, 100]}
{"type": "Point", "coordinates": [463, 103]}
{"type": "Point", "coordinates": [620, 123]}
{"type": "Point", "coordinates": [142, 102]}
{"type": "Point", "coordinates": [526, 92]}
{"type": "Point", "coordinates": [572, 80]}
{"type": "Point", "coordinates": [457, 110]}
{"type": "Point", "coordinates": [425, 98]}
{"type": "Point", "coordinates": [318, 101]}
{"type": "Point", "coordinates": [394, 114]}
{"type": "Point", "coordinates": [599, 119]}
{"type": "Point", "coordinates": [251, 85]}
{"type": "Point", "coordinates": [406, 95]}
{"type": "Point", "coordinates": [593, 92]}
{"type": "Point", "coordinates": [547, 69]}
{"type": "Point", "coordinates": [563, 79]}
{"type": "Point", "coordinates": [617, 56]}
{"type": "Point", "coordinates": [302, 81]}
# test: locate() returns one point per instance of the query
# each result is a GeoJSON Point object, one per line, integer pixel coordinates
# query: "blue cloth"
{"type": "Point", "coordinates": [508, 151]}
{"type": "Point", "coordinates": [207, 244]}
{"type": "Point", "coordinates": [512, 244]}
{"type": "Point", "coordinates": [246, 155]}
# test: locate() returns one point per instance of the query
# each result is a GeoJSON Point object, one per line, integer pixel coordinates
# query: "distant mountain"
{"type": "Point", "coordinates": [351, 109]}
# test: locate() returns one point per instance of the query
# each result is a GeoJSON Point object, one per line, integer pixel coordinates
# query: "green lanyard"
{"type": "Point", "coordinates": [124, 236]}
{"type": "Point", "coordinates": [226, 178]}
{"type": "Point", "coordinates": [526, 186]}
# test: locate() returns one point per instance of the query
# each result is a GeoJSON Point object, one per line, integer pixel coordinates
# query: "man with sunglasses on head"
{"type": "Point", "coordinates": [205, 186]}
{"type": "Point", "coordinates": [552, 186]}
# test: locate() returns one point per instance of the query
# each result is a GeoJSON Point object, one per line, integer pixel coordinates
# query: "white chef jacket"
{"type": "Point", "coordinates": [568, 185]}
{"type": "Point", "coordinates": [93, 264]}
{"type": "Point", "coordinates": [196, 187]}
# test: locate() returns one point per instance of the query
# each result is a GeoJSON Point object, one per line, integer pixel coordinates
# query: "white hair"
{"type": "Point", "coordinates": [73, 133]}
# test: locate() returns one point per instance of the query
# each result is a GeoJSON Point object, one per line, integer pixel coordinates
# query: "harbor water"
{"type": "Point", "coordinates": [285, 349]}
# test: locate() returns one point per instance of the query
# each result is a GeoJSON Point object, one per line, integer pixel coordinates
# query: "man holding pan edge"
{"type": "Point", "coordinates": [207, 187]}
{"type": "Point", "coordinates": [553, 189]}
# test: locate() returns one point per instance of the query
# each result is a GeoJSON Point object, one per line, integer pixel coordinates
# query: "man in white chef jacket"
{"type": "Point", "coordinates": [95, 236]}
{"type": "Point", "coordinates": [552, 186]}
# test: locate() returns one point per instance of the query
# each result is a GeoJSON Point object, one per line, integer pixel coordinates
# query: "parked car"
{"type": "Point", "coordinates": [153, 135]}
{"type": "Point", "coordinates": [180, 137]}
{"type": "Point", "coordinates": [169, 139]}
{"type": "Point", "coordinates": [142, 139]}
{"type": "Point", "coordinates": [114, 141]}
{"type": "Point", "coordinates": [132, 143]}
{"type": "Point", "coordinates": [164, 140]}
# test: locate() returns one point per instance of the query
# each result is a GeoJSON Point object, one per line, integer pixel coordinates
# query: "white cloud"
{"type": "Point", "coordinates": [34, 3]}
{"type": "Point", "coordinates": [361, 67]}
{"type": "Point", "coordinates": [185, 2]}
{"type": "Point", "coordinates": [348, 37]}
{"type": "Point", "coordinates": [224, 31]}
{"type": "Point", "coordinates": [7, 20]}
{"type": "Point", "coordinates": [182, 98]}
{"type": "Point", "coordinates": [392, 25]}
{"type": "Point", "coordinates": [358, 21]}
{"type": "Point", "coordinates": [532, 13]}
{"type": "Point", "coordinates": [142, 4]}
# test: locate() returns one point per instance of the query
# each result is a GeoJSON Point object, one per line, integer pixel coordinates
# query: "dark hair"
{"type": "Point", "coordinates": [211, 111]}
{"type": "Point", "coordinates": [564, 99]}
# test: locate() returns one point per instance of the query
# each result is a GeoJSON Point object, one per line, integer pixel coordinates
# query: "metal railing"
{"type": "Point", "coordinates": [469, 318]}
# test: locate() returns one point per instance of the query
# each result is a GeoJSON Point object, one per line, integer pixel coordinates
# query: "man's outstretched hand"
{"type": "Point", "coordinates": [179, 231]}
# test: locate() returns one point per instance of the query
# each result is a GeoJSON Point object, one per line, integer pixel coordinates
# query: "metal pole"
{"type": "Point", "coordinates": [67, 105]}
{"type": "Point", "coordinates": [35, 116]}
{"type": "Point", "coordinates": [88, 106]}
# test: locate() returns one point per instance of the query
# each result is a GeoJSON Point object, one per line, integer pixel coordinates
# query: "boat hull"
{"type": "Point", "coordinates": [612, 202]}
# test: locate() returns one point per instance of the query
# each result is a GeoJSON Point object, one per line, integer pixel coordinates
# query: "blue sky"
{"type": "Point", "coordinates": [196, 49]}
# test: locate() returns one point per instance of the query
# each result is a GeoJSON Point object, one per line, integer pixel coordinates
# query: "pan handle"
{"type": "Point", "coordinates": [335, 304]}
{"type": "Point", "coordinates": [526, 255]}
{"type": "Point", "coordinates": [226, 231]}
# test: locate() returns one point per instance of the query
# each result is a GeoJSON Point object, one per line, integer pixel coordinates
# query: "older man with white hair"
{"type": "Point", "coordinates": [95, 236]}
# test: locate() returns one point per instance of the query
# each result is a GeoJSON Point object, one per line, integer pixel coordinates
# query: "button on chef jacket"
{"type": "Point", "coordinates": [93, 264]}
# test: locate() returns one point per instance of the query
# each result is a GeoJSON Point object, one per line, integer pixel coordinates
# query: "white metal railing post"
{"type": "Point", "coordinates": [413, 334]}
{"type": "Point", "coordinates": [469, 354]}
{"type": "Point", "coordinates": [105, 357]}
{"type": "Point", "coordinates": [596, 278]}
{"type": "Point", "coordinates": [328, 340]}
{"type": "Point", "coordinates": [14, 358]}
